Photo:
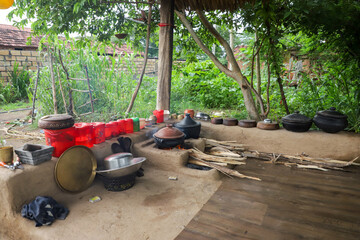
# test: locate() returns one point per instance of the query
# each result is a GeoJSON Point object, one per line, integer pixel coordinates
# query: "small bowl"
{"type": "Point", "coordinates": [117, 160]}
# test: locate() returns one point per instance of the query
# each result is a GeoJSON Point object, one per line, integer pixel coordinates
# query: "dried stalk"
{"type": "Point", "coordinates": [199, 163]}
{"type": "Point", "coordinates": [230, 145]}
{"type": "Point", "coordinates": [229, 160]}
{"type": "Point", "coordinates": [229, 172]}
{"type": "Point", "coordinates": [223, 152]}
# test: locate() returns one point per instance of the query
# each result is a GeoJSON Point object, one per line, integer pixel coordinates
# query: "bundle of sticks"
{"type": "Point", "coordinates": [223, 155]}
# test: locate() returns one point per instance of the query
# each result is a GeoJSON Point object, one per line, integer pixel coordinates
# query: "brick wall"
{"type": "Point", "coordinates": [27, 59]}
{"type": "Point", "coordinates": [24, 58]}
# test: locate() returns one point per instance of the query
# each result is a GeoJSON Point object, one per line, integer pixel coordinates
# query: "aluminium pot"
{"type": "Point", "coordinates": [189, 127]}
{"type": "Point", "coordinates": [169, 137]}
{"type": "Point", "coordinates": [296, 122]}
{"type": "Point", "coordinates": [117, 160]}
{"type": "Point", "coordinates": [330, 120]}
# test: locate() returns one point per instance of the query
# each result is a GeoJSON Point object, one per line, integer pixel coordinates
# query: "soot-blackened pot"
{"type": "Point", "coordinates": [169, 137]}
{"type": "Point", "coordinates": [296, 122]}
{"type": "Point", "coordinates": [330, 120]}
{"type": "Point", "coordinates": [247, 123]}
{"type": "Point", "coordinates": [189, 127]}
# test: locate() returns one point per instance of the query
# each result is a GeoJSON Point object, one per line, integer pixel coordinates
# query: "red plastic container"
{"type": "Point", "coordinates": [108, 127]}
{"type": "Point", "coordinates": [121, 126]}
{"type": "Point", "coordinates": [61, 139]}
{"type": "Point", "coordinates": [159, 115]}
{"type": "Point", "coordinates": [114, 129]}
{"type": "Point", "coordinates": [84, 134]}
{"type": "Point", "coordinates": [98, 133]}
{"type": "Point", "coordinates": [129, 128]}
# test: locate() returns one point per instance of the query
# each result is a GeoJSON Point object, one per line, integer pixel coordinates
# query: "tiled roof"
{"type": "Point", "coordinates": [13, 37]}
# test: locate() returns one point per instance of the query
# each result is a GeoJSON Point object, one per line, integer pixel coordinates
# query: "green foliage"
{"type": "Point", "coordinates": [203, 83]}
{"type": "Point", "coordinates": [17, 88]}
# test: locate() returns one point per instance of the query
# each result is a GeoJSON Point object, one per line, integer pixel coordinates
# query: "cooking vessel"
{"type": "Point", "coordinates": [267, 124]}
{"type": "Point", "coordinates": [202, 116]}
{"type": "Point", "coordinates": [117, 160]}
{"type": "Point", "coordinates": [330, 120]}
{"type": "Point", "coordinates": [296, 122]}
{"type": "Point", "coordinates": [247, 123]}
{"type": "Point", "coordinates": [56, 121]}
{"type": "Point", "coordinates": [230, 121]}
{"type": "Point", "coordinates": [189, 127]}
{"type": "Point", "coordinates": [190, 111]}
{"type": "Point", "coordinates": [169, 137]}
{"type": "Point", "coordinates": [126, 167]}
{"type": "Point", "coordinates": [217, 121]}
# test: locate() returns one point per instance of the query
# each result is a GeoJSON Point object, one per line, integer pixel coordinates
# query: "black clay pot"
{"type": "Point", "coordinates": [217, 121]}
{"type": "Point", "coordinates": [169, 137]}
{"type": "Point", "coordinates": [330, 120]}
{"type": "Point", "coordinates": [189, 127]}
{"type": "Point", "coordinates": [296, 122]}
{"type": "Point", "coordinates": [247, 123]}
{"type": "Point", "coordinates": [230, 121]}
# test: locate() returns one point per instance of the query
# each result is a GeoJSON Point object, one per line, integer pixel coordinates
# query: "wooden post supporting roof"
{"type": "Point", "coordinates": [165, 54]}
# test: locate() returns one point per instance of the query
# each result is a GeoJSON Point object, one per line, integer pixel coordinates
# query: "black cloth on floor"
{"type": "Point", "coordinates": [44, 211]}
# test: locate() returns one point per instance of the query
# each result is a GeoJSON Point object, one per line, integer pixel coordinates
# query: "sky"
{"type": "Point", "coordinates": [3, 14]}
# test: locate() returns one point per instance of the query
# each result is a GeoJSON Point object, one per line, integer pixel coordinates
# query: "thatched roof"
{"type": "Point", "coordinates": [208, 5]}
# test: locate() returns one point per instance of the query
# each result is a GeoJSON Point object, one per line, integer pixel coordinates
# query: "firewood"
{"type": "Point", "coordinates": [194, 152]}
{"type": "Point", "coordinates": [223, 152]}
{"type": "Point", "coordinates": [199, 163]}
{"type": "Point", "coordinates": [312, 167]}
{"type": "Point", "coordinates": [231, 145]}
{"type": "Point", "coordinates": [229, 172]}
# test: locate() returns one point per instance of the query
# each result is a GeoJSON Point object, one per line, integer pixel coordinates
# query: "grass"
{"type": "Point", "coordinates": [16, 105]}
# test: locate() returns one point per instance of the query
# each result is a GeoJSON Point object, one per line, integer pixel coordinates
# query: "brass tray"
{"type": "Point", "coordinates": [75, 170]}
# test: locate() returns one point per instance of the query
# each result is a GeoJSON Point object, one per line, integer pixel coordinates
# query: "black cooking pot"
{"type": "Point", "coordinates": [296, 122]}
{"type": "Point", "coordinates": [169, 137]}
{"type": "Point", "coordinates": [330, 120]}
{"type": "Point", "coordinates": [189, 127]}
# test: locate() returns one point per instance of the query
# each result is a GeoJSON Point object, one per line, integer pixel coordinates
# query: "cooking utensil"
{"type": "Point", "coordinates": [230, 121]}
{"type": "Point", "coordinates": [125, 143]}
{"type": "Point", "coordinates": [268, 124]}
{"type": "Point", "coordinates": [117, 160]}
{"type": "Point", "coordinates": [247, 123]}
{"type": "Point", "coordinates": [330, 120]}
{"type": "Point", "coordinates": [75, 170]}
{"type": "Point", "coordinates": [190, 111]}
{"type": "Point", "coordinates": [56, 121]}
{"type": "Point", "coordinates": [169, 137]}
{"type": "Point", "coordinates": [189, 127]}
{"type": "Point", "coordinates": [217, 121]}
{"type": "Point", "coordinates": [116, 148]}
{"type": "Point", "coordinates": [296, 122]}
{"type": "Point", "coordinates": [127, 167]}
{"type": "Point", "coordinates": [6, 154]}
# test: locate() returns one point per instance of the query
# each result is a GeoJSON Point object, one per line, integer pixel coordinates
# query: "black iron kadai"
{"type": "Point", "coordinates": [189, 127]}
{"type": "Point", "coordinates": [296, 122]}
{"type": "Point", "coordinates": [330, 120]}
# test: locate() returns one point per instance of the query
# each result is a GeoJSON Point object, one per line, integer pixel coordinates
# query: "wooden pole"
{"type": "Point", "coordinates": [35, 90]}
{"type": "Point", "coordinates": [62, 91]}
{"type": "Point", "coordinates": [165, 54]}
{"type": "Point", "coordinates": [53, 83]}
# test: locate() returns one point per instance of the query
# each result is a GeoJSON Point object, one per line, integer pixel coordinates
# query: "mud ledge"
{"type": "Point", "coordinates": [155, 194]}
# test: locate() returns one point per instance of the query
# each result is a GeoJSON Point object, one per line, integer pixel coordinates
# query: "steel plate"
{"type": "Point", "coordinates": [75, 170]}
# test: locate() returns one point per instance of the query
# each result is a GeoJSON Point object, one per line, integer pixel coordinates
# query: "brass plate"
{"type": "Point", "coordinates": [75, 170]}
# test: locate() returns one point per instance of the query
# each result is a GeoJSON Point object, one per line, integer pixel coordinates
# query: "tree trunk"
{"type": "Point", "coordinates": [165, 54]}
{"type": "Point", "coordinates": [235, 73]}
{"type": "Point", "coordinates": [258, 69]}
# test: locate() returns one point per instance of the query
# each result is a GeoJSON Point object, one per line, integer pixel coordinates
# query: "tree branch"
{"type": "Point", "coordinates": [187, 24]}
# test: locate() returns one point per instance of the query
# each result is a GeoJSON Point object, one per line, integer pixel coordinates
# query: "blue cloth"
{"type": "Point", "coordinates": [44, 211]}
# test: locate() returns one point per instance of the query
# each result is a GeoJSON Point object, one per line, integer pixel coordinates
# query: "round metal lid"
{"type": "Point", "coordinates": [187, 122]}
{"type": "Point", "coordinates": [75, 170]}
{"type": "Point", "coordinates": [169, 132]}
{"type": "Point", "coordinates": [296, 117]}
{"type": "Point", "coordinates": [331, 112]}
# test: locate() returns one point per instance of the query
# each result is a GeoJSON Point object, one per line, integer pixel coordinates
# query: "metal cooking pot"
{"type": "Point", "coordinates": [117, 160]}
